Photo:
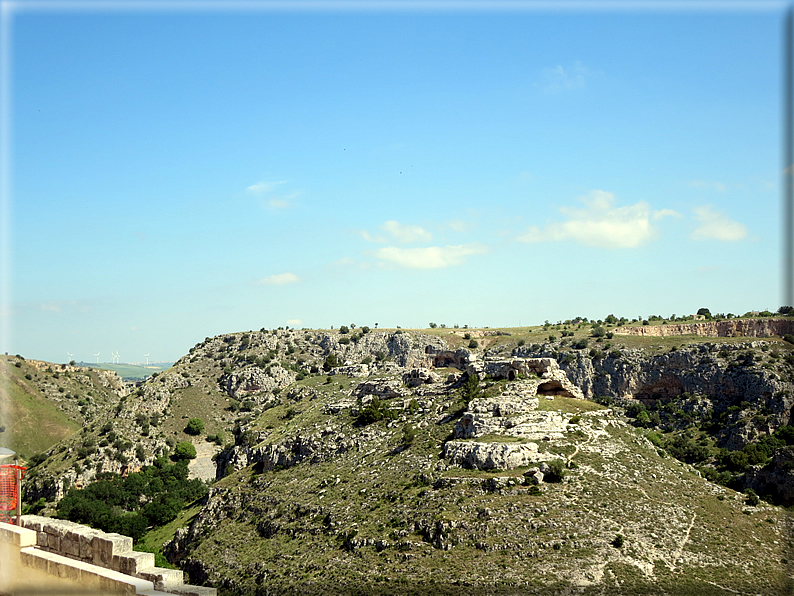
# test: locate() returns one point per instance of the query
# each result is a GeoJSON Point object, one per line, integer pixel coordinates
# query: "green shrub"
{"type": "Point", "coordinates": [473, 343]}
{"type": "Point", "coordinates": [618, 541]}
{"type": "Point", "coordinates": [556, 471]}
{"type": "Point", "coordinates": [376, 410]}
{"type": "Point", "coordinates": [184, 451]}
{"type": "Point", "coordinates": [409, 435]}
{"type": "Point", "coordinates": [752, 498]}
{"type": "Point", "coordinates": [195, 426]}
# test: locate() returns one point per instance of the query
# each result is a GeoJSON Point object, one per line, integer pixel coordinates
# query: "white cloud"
{"type": "Point", "coordinates": [263, 187]}
{"type": "Point", "coordinates": [294, 322]}
{"type": "Point", "coordinates": [717, 226]}
{"type": "Point", "coordinates": [559, 79]}
{"type": "Point", "coordinates": [431, 257]}
{"type": "Point", "coordinates": [280, 279]}
{"type": "Point", "coordinates": [406, 234]}
{"type": "Point", "coordinates": [601, 224]}
{"type": "Point", "coordinates": [366, 236]}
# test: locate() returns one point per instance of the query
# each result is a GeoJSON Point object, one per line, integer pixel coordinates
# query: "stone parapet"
{"type": "Point", "coordinates": [81, 545]}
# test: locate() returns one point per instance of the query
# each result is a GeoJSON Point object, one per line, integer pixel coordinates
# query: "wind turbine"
{"type": "Point", "coordinates": [70, 356]}
{"type": "Point", "coordinates": [147, 358]}
{"type": "Point", "coordinates": [97, 357]}
{"type": "Point", "coordinates": [115, 357]}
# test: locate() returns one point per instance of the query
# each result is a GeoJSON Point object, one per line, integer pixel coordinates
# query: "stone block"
{"type": "Point", "coordinates": [164, 579]}
{"type": "Point", "coordinates": [41, 539]}
{"type": "Point", "coordinates": [106, 546]}
{"type": "Point", "coordinates": [69, 546]}
{"type": "Point", "coordinates": [86, 544]}
{"type": "Point", "coordinates": [132, 563]}
{"type": "Point", "coordinates": [34, 522]}
{"type": "Point", "coordinates": [53, 542]}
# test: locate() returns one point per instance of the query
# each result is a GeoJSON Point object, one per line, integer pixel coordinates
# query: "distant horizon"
{"type": "Point", "coordinates": [417, 329]}
{"type": "Point", "coordinates": [182, 174]}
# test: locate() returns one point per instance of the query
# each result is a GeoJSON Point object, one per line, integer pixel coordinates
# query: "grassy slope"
{"type": "Point", "coordinates": [33, 423]}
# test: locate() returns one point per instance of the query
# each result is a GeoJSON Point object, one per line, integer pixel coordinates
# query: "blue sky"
{"type": "Point", "coordinates": [179, 174]}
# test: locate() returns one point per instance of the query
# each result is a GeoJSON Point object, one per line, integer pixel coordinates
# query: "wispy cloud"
{"type": "Point", "coordinates": [264, 186]}
{"type": "Point", "coordinates": [282, 201]}
{"type": "Point", "coordinates": [601, 223]}
{"type": "Point", "coordinates": [265, 189]}
{"type": "Point", "coordinates": [280, 279]}
{"type": "Point", "coordinates": [559, 78]}
{"type": "Point", "coordinates": [431, 257]}
{"type": "Point", "coordinates": [717, 226]}
{"type": "Point", "coordinates": [458, 225]}
{"type": "Point", "coordinates": [405, 234]}
{"type": "Point", "coordinates": [709, 185]}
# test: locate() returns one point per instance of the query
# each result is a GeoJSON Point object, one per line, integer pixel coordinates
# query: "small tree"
{"type": "Point", "coordinates": [195, 426]}
{"type": "Point", "coordinates": [556, 471]}
{"type": "Point", "coordinates": [331, 361]}
{"type": "Point", "coordinates": [344, 329]}
{"type": "Point", "coordinates": [473, 343]}
{"type": "Point", "coordinates": [433, 325]}
{"type": "Point", "coordinates": [184, 451]}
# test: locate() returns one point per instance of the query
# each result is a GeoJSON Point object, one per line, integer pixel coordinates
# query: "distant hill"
{"type": "Point", "coordinates": [131, 372]}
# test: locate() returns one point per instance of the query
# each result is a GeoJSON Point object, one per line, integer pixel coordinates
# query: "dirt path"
{"type": "Point", "coordinates": [203, 467]}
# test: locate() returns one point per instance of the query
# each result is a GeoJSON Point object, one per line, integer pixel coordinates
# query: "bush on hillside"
{"type": "Point", "coordinates": [195, 426]}
{"type": "Point", "coordinates": [184, 451]}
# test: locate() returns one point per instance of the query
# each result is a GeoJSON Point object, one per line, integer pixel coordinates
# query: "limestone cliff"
{"type": "Point", "coordinates": [724, 328]}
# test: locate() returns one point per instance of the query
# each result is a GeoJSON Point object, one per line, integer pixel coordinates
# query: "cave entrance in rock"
{"type": "Point", "coordinates": [511, 374]}
{"type": "Point", "coordinates": [553, 388]}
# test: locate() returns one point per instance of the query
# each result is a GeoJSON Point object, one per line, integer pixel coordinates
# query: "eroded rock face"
{"type": "Point", "coordinates": [489, 456]}
{"type": "Point", "coordinates": [381, 388]}
{"type": "Point", "coordinates": [729, 328]}
{"type": "Point", "coordinates": [352, 371]}
{"type": "Point", "coordinates": [777, 478]}
{"type": "Point", "coordinates": [513, 413]}
{"type": "Point", "coordinates": [420, 376]}
{"type": "Point", "coordinates": [255, 379]}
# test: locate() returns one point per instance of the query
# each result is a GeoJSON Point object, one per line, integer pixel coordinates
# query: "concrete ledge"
{"type": "Point", "coordinates": [16, 535]}
{"type": "Point", "coordinates": [90, 576]}
{"type": "Point", "coordinates": [187, 590]}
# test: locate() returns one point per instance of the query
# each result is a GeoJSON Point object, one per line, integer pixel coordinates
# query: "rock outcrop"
{"type": "Point", "coordinates": [489, 456]}
{"type": "Point", "coordinates": [725, 328]}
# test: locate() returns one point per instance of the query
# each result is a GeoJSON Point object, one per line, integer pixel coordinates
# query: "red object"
{"type": "Point", "coordinates": [10, 493]}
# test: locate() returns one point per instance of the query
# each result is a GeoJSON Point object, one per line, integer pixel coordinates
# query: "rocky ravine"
{"type": "Point", "coordinates": [324, 496]}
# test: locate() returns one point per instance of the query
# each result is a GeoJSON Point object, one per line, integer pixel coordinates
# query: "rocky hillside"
{"type": "Point", "coordinates": [45, 403]}
{"type": "Point", "coordinates": [488, 461]}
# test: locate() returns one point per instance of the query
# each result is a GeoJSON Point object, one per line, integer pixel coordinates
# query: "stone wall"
{"type": "Point", "coordinates": [110, 551]}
